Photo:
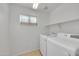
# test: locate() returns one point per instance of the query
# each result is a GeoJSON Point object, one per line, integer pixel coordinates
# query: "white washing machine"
{"type": "Point", "coordinates": [54, 49]}
{"type": "Point", "coordinates": [62, 47]}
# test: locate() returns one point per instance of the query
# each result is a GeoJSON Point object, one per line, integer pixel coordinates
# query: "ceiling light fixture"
{"type": "Point", "coordinates": [35, 5]}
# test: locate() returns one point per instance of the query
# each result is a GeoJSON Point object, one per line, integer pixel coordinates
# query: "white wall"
{"type": "Point", "coordinates": [54, 28]}
{"type": "Point", "coordinates": [70, 27]}
{"type": "Point", "coordinates": [63, 13]}
{"type": "Point", "coordinates": [25, 37]}
{"type": "Point", "coordinates": [4, 41]}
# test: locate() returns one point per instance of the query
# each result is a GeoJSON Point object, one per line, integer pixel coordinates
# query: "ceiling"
{"type": "Point", "coordinates": [44, 7]}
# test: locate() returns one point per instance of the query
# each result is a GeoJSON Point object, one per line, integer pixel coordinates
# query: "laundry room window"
{"type": "Point", "coordinates": [24, 19]}
{"type": "Point", "coordinates": [28, 19]}
{"type": "Point", "coordinates": [32, 19]}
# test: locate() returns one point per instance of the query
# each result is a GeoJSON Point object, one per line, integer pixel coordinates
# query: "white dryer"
{"type": "Point", "coordinates": [43, 44]}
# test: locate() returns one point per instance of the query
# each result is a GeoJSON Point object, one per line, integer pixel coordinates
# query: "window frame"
{"type": "Point", "coordinates": [29, 20]}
